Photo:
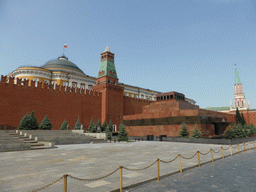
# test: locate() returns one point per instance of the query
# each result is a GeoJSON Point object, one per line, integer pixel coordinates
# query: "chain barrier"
{"type": "Point", "coordinates": [225, 149]}
{"type": "Point", "coordinates": [48, 185]}
{"type": "Point", "coordinates": [139, 169]}
{"type": "Point", "coordinates": [170, 160]}
{"type": "Point", "coordinates": [246, 143]}
{"type": "Point", "coordinates": [205, 153]}
{"type": "Point", "coordinates": [215, 151]}
{"type": "Point", "coordinates": [189, 157]}
{"type": "Point", "coordinates": [234, 147]}
{"type": "Point", "coordinates": [95, 178]}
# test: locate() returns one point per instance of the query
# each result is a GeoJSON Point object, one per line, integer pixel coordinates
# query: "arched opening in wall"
{"type": "Point", "coordinates": [242, 104]}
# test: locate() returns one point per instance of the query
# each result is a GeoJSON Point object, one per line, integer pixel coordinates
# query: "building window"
{"type": "Point", "coordinates": [82, 86]}
{"type": "Point", "coordinates": [36, 80]}
{"type": "Point", "coordinates": [114, 128]}
{"type": "Point", "coordinates": [89, 87]}
{"type": "Point", "coordinates": [74, 85]}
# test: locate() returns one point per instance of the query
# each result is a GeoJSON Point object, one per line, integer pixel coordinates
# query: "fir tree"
{"type": "Point", "coordinates": [109, 134]}
{"type": "Point", "coordinates": [104, 126]}
{"type": "Point", "coordinates": [45, 124]}
{"type": "Point", "coordinates": [252, 130]}
{"type": "Point", "coordinates": [64, 125]}
{"type": "Point", "coordinates": [196, 132]}
{"type": "Point", "coordinates": [33, 121]}
{"type": "Point", "coordinates": [110, 126]}
{"type": "Point", "coordinates": [25, 123]}
{"type": "Point", "coordinates": [247, 129]}
{"type": "Point", "coordinates": [98, 124]}
{"type": "Point", "coordinates": [242, 120]}
{"type": "Point", "coordinates": [92, 126]}
{"type": "Point", "coordinates": [238, 116]}
{"type": "Point", "coordinates": [78, 125]}
{"type": "Point", "coordinates": [229, 133]}
{"type": "Point", "coordinates": [239, 131]}
{"type": "Point", "coordinates": [122, 134]}
{"type": "Point", "coordinates": [184, 132]}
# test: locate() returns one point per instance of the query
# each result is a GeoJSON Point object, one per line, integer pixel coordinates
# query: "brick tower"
{"type": "Point", "coordinates": [112, 93]}
{"type": "Point", "coordinates": [239, 96]}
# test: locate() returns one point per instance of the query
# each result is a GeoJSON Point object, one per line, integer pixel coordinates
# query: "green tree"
{"type": "Point", "coordinates": [252, 130]}
{"type": "Point", "coordinates": [109, 134]}
{"type": "Point", "coordinates": [238, 116]}
{"type": "Point", "coordinates": [98, 124]}
{"type": "Point", "coordinates": [229, 133]}
{"type": "Point", "coordinates": [239, 131]}
{"type": "Point", "coordinates": [242, 120]}
{"type": "Point", "coordinates": [92, 127]}
{"type": "Point", "coordinates": [104, 126]}
{"type": "Point", "coordinates": [33, 121]}
{"type": "Point", "coordinates": [110, 126]}
{"type": "Point", "coordinates": [184, 132]}
{"type": "Point", "coordinates": [196, 132]}
{"type": "Point", "coordinates": [247, 129]}
{"type": "Point", "coordinates": [45, 124]}
{"type": "Point", "coordinates": [122, 134]}
{"type": "Point", "coordinates": [25, 123]}
{"type": "Point", "coordinates": [78, 125]}
{"type": "Point", "coordinates": [64, 125]}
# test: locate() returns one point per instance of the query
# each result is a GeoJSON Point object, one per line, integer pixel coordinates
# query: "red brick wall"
{"type": "Point", "coordinates": [133, 105]}
{"type": "Point", "coordinates": [249, 116]}
{"type": "Point", "coordinates": [17, 100]}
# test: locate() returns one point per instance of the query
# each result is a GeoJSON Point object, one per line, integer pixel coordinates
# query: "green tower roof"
{"type": "Point", "coordinates": [237, 79]}
{"type": "Point", "coordinates": [107, 67]}
{"type": "Point", "coordinates": [107, 49]}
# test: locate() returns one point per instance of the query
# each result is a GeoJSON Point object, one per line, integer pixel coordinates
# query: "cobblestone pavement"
{"type": "Point", "coordinates": [24, 171]}
{"type": "Point", "coordinates": [234, 173]}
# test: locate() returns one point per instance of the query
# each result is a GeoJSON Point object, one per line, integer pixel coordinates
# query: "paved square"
{"type": "Point", "coordinates": [29, 170]}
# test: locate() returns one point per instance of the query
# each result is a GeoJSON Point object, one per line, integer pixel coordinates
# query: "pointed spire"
{"type": "Point", "coordinates": [249, 105]}
{"type": "Point", "coordinates": [237, 79]}
{"type": "Point", "coordinates": [107, 49]}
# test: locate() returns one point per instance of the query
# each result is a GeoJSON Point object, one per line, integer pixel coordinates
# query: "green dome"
{"type": "Point", "coordinates": [61, 62]}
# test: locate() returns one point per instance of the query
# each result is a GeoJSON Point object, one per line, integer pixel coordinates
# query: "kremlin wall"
{"type": "Point", "coordinates": [162, 114]}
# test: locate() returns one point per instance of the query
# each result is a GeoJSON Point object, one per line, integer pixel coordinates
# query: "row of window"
{"type": "Point", "coordinates": [141, 96]}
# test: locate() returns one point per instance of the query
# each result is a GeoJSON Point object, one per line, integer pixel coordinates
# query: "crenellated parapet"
{"type": "Point", "coordinates": [17, 82]}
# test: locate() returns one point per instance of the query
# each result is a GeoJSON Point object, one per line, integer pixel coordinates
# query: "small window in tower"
{"type": "Point", "coordinates": [132, 95]}
{"type": "Point", "coordinates": [114, 82]}
{"type": "Point", "coordinates": [109, 81]}
{"type": "Point", "coordinates": [127, 94]}
{"type": "Point", "coordinates": [36, 80]}
{"type": "Point", "coordinates": [171, 96]}
{"type": "Point", "coordinates": [113, 73]}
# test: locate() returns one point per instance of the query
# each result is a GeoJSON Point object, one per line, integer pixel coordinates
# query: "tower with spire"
{"type": "Point", "coordinates": [239, 96]}
{"type": "Point", "coordinates": [112, 93]}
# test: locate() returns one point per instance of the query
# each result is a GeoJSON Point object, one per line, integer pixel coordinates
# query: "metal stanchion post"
{"type": "Point", "coordinates": [254, 144]}
{"type": "Point", "coordinates": [230, 149]}
{"type": "Point", "coordinates": [121, 179]}
{"type": "Point", "coordinates": [65, 182]}
{"type": "Point", "coordinates": [180, 164]}
{"type": "Point", "coordinates": [211, 155]}
{"type": "Point", "coordinates": [244, 146]}
{"type": "Point", "coordinates": [198, 158]}
{"type": "Point", "coordinates": [238, 148]}
{"type": "Point", "coordinates": [222, 152]}
{"type": "Point", "coordinates": [158, 167]}
{"type": "Point", "coordinates": [249, 145]}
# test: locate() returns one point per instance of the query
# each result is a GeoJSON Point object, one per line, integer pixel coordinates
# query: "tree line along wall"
{"type": "Point", "coordinates": [17, 100]}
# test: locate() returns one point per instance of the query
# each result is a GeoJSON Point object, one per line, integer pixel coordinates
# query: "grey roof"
{"type": "Point", "coordinates": [61, 62]}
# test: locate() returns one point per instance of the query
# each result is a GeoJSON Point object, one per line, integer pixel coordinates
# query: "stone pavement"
{"type": "Point", "coordinates": [233, 174]}
{"type": "Point", "coordinates": [29, 170]}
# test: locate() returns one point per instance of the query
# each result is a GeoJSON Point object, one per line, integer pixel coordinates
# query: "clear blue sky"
{"type": "Point", "coordinates": [188, 46]}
